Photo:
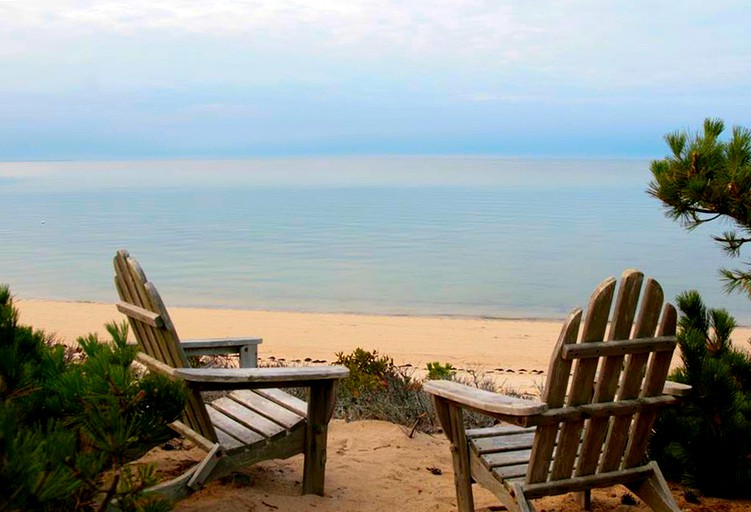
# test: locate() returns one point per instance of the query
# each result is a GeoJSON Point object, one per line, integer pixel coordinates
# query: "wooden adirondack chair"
{"type": "Point", "coordinates": [254, 422]}
{"type": "Point", "coordinates": [592, 426]}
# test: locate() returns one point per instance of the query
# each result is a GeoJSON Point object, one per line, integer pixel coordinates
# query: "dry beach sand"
{"type": "Point", "coordinates": [514, 351]}
{"type": "Point", "coordinates": [372, 466]}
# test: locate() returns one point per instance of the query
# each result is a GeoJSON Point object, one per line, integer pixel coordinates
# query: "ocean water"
{"type": "Point", "coordinates": [478, 236]}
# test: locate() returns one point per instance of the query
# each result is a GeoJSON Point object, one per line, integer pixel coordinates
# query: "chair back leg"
{"type": "Point", "coordinates": [654, 491]}
{"type": "Point", "coordinates": [585, 500]}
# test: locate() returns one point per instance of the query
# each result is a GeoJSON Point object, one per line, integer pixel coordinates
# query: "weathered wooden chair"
{"type": "Point", "coordinates": [592, 426]}
{"type": "Point", "coordinates": [254, 422]}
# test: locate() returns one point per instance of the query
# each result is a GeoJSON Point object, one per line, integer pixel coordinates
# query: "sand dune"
{"type": "Point", "coordinates": [372, 466]}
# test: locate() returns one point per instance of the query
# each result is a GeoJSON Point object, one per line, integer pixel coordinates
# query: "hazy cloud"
{"type": "Point", "coordinates": [373, 64]}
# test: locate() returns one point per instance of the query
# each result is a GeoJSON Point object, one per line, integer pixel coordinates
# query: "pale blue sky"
{"type": "Point", "coordinates": [225, 78]}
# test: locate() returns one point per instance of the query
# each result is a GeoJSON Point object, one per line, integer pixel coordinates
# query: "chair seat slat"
{"type": "Point", "coordinates": [248, 418]}
{"type": "Point", "coordinates": [498, 430]}
{"type": "Point", "coordinates": [267, 408]}
{"type": "Point", "coordinates": [495, 460]}
{"type": "Point", "coordinates": [286, 400]}
{"type": "Point", "coordinates": [498, 444]}
{"type": "Point", "coordinates": [234, 428]}
{"type": "Point", "coordinates": [227, 441]}
{"type": "Point", "coordinates": [508, 472]}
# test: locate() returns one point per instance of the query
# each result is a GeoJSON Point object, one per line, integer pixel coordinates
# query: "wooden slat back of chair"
{"type": "Point", "coordinates": [157, 339]}
{"type": "Point", "coordinates": [581, 447]}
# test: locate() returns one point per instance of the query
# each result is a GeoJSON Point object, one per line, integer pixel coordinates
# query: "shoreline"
{"type": "Point", "coordinates": [513, 352]}
{"type": "Point", "coordinates": [212, 307]}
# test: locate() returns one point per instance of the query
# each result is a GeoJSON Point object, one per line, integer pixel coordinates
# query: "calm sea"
{"type": "Point", "coordinates": [404, 235]}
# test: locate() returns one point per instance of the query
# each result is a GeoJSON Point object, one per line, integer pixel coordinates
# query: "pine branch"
{"type": "Point", "coordinates": [112, 489]}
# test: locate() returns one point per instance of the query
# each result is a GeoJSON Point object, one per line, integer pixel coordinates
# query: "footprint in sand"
{"type": "Point", "coordinates": [343, 446]}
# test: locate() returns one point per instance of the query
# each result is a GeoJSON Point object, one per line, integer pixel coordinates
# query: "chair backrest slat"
{"type": "Point", "coordinates": [649, 313]}
{"type": "Point", "coordinates": [554, 395]}
{"type": "Point", "coordinates": [657, 371]}
{"type": "Point", "coordinates": [581, 447]}
{"type": "Point", "coordinates": [157, 339]}
{"type": "Point", "coordinates": [633, 376]}
{"type": "Point", "coordinates": [582, 383]}
{"type": "Point", "coordinates": [133, 285]}
{"type": "Point", "coordinates": [625, 305]}
{"type": "Point", "coordinates": [126, 290]}
{"type": "Point", "coordinates": [606, 387]}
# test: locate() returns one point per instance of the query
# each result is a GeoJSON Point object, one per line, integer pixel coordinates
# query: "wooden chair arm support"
{"type": "Point", "coordinates": [245, 348]}
{"type": "Point", "coordinates": [218, 343]}
{"type": "Point", "coordinates": [155, 365]}
{"type": "Point", "coordinates": [484, 401]}
{"type": "Point", "coordinates": [238, 378]}
{"type": "Point", "coordinates": [676, 388]}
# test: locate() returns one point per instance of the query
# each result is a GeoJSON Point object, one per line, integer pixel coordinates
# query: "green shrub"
{"type": "Point", "coordinates": [368, 371]}
{"type": "Point", "coordinates": [706, 440]}
{"type": "Point", "coordinates": [438, 371]}
{"type": "Point", "coordinates": [69, 426]}
{"type": "Point", "coordinates": [378, 389]}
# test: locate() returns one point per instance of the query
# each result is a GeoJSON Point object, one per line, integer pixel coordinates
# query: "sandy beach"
{"type": "Point", "coordinates": [513, 352]}
{"type": "Point", "coordinates": [396, 472]}
{"type": "Point", "coordinates": [374, 466]}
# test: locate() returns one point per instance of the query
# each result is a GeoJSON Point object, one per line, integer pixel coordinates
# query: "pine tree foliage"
{"type": "Point", "coordinates": [707, 178]}
{"type": "Point", "coordinates": [706, 440]}
{"type": "Point", "coordinates": [69, 426]}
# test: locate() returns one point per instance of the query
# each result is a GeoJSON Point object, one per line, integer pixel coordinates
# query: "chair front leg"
{"type": "Point", "coordinates": [452, 421]}
{"type": "Point", "coordinates": [320, 410]}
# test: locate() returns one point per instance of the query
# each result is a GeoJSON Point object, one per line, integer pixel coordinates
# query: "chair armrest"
{"type": "Point", "coordinates": [219, 343]}
{"type": "Point", "coordinates": [676, 388]}
{"type": "Point", "coordinates": [154, 364]}
{"type": "Point", "coordinates": [484, 401]}
{"type": "Point", "coordinates": [246, 348]}
{"type": "Point", "coordinates": [237, 378]}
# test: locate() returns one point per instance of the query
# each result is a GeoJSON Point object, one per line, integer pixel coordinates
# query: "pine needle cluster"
{"type": "Point", "coordinates": [708, 178]}
{"type": "Point", "coordinates": [69, 426]}
{"type": "Point", "coordinates": [706, 440]}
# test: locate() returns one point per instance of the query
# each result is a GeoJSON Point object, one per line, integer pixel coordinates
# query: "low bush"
{"type": "Point", "coordinates": [438, 371]}
{"type": "Point", "coordinates": [70, 423]}
{"type": "Point", "coordinates": [378, 389]}
{"type": "Point", "coordinates": [706, 440]}
{"type": "Point", "coordinates": [368, 371]}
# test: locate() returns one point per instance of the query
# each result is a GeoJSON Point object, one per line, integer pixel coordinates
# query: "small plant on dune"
{"type": "Point", "coordinates": [368, 371]}
{"type": "Point", "coordinates": [706, 439]}
{"type": "Point", "coordinates": [378, 389]}
{"type": "Point", "coordinates": [438, 371]}
{"type": "Point", "coordinates": [70, 425]}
